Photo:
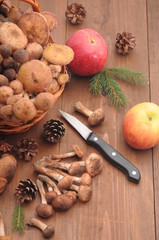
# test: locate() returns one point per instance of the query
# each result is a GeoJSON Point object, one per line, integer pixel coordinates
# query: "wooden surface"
{"type": "Point", "coordinates": [118, 209]}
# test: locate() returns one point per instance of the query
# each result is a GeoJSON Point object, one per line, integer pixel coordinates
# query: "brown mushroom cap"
{"type": "Point", "coordinates": [35, 76]}
{"type": "Point", "coordinates": [84, 193]}
{"type": "Point", "coordinates": [50, 196]}
{"type": "Point", "coordinates": [78, 150]}
{"type": "Point", "coordinates": [3, 184]}
{"type": "Point", "coordinates": [11, 34]}
{"type": "Point", "coordinates": [44, 210]}
{"type": "Point", "coordinates": [86, 179]}
{"type": "Point", "coordinates": [7, 166]}
{"type": "Point", "coordinates": [44, 101]}
{"type": "Point", "coordinates": [96, 117]}
{"type": "Point", "coordinates": [76, 169]}
{"type": "Point", "coordinates": [58, 54]}
{"type": "Point", "coordinates": [65, 183]}
{"type": "Point", "coordinates": [62, 202]}
{"type": "Point", "coordinates": [34, 25]}
{"type": "Point", "coordinates": [94, 164]}
{"type": "Point", "coordinates": [48, 231]}
{"type": "Point", "coordinates": [51, 19]}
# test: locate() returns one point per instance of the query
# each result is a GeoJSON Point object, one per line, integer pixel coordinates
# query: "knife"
{"type": "Point", "coordinates": [107, 151]}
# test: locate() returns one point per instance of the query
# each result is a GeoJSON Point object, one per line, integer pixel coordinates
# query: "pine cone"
{"type": "Point", "coordinates": [125, 42]}
{"type": "Point", "coordinates": [53, 130]}
{"type": "Point", "coordinates": [4, 146]}
{"type": "Point", "coordinates": [75, 13]}
{"type": "Point", "coordinates": [26, 149]}
{"type": "Point", "coordinates": [26, 191]}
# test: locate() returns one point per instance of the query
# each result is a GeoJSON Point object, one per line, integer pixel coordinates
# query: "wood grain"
{"type": "Point", "coordinates": [118, 209]}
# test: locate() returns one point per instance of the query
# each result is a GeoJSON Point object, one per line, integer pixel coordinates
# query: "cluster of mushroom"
{"type": "Point", "coordinates": [32, 69]}
{"type": "Point", "coordinates": [60, 183]}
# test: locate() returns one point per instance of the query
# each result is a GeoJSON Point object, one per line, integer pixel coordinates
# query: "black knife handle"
{"type": "Point", "coordinates": [114, 157]}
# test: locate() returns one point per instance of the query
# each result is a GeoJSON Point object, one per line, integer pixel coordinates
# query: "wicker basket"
{"type": "Point", "coordinates": [7, 127]}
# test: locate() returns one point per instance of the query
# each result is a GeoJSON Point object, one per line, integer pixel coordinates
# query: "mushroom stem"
{"type": "Point", "coordinates": [79, 107]}
{"type": "Point", "coordinates": [76, 151]}
{"type": "Point", "coordinates": [41, 191]}
{"type": "Point", "coordinates": [48, 230]}
{"type": "Point", "coordinates": [50, 183]}
{"type": "Point", "coordinates": [94, 118]}
{"type": "Point", "coordinates": [2, 229]}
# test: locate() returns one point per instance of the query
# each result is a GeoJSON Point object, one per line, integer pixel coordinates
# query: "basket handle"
{"type": "Point", "coordinates": [34, 4]}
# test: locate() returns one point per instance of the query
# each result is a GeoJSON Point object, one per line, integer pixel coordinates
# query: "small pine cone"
{"type": "Point", "coordinates": [26, 149]}
{"type": "Point", "coordinates": [53, 130]}
{"type": "Point", "coordinates": [4, 146]}
{"type": "Point", "coordinates": [75, 13]}
{"type": "Point", "coordinates": [125, 42]}
{"type": "Point", "coordinates": [26, 191]}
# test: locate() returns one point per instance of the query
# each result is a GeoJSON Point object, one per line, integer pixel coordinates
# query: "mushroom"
{"type": "Point", "coordinates": [2, 229]}
{"type": "Point", "coordinates": [63, 78]}
{"type": "Point", "coordinates": [93, 164]}
{"type": "Point", "coordinates": [48, 230]}
{"type": "Point", "coordinates": [43, 210]}
{"type": "Point", "coordinates": [50, 194]}
{"type": "Point", "coordinates": [7, 166]}
{"type": "Point", "coordinates": [76, 151]}
{"type": "Point", "coordinates": [60, 202]}
{"type": "Point", "coordinates": [94, 118]}
{"type": "Point", "coordinates": [84, 192]}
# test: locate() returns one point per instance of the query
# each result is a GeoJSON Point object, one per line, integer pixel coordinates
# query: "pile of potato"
{"type": "Point", "coordinates": [31, 68]}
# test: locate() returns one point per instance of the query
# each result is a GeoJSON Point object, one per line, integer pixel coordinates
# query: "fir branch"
{"type": "Point", "coordinates": [114, 93]}
{"type": "Point", "coordinates": [128, 75]}
{"type": "Point", "coordinates": [18, 218]}
{"type": "Point", "coordinates": [96, 86]}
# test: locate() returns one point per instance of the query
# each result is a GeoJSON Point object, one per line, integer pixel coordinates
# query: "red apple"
{"type": "Point", "coordinates": [90, 52]}
{"type": "Point", "coordinates": [141, 126]}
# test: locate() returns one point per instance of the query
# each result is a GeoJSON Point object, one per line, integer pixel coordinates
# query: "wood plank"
{"type": "Point", "coordinates": [153, 36]}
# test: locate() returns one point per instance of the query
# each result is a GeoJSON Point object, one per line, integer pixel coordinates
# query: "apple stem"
{"type": "Point", "coordinates": [79, 107]}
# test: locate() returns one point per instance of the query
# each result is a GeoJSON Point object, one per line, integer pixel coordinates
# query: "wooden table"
{"type": "Point", "coordinates": [118, 209]}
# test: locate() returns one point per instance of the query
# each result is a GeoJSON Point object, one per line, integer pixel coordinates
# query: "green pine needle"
{"type": "Point", "coordinates": [105, 83]}
{"type": "Point", "coordinates": [128, 75]}
{"type": "Point", "coordinates": [18, 218]}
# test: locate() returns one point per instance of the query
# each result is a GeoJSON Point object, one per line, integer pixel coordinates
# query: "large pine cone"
{"type": "Point", "coordinates": [26, 191]}
{"type": "Point", "coordinates": [53, 130]}
{"type": "Point", "coordinates": [125, 42]}
{"type": "Point", "coordinates": [75, 13]}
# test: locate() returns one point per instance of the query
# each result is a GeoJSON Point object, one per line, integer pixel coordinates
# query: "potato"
{"type": "Point", "coordinates": [34, 25]}
{"type": "Point", "coordinates": [6, 112]}
{"type": "Point", "coordinates": [3, 81]}
{"type": "Point", "coordinates": [17, 86]}
{"type": "Point", "coordinates": [13, 99]}
{"type": "Point", "coordinates": [52, 20]}
{"type": "Point", "coordinates": [12, 35]}
{"type": "Point", "coordinates": [58, 54]}
{"type": "Point", "coordinates": [44, 101]}
{"type": "Point", "coordinates": [24, 110]}
{"type": "Point", "coordinates": [5, 92]}
{"type": "Point", "coordinates": [7, 166]}
{"type": "Point", "coordinates": [35, 76]}
{"type": "Point", "coordinates": [34, 50]}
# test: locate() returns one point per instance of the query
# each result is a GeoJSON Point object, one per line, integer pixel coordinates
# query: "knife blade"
{"type": "Point", "coordinates": [109, 153]}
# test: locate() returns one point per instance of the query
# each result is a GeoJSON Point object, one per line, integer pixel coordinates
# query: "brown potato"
{"type": "Point", "coordinates": [44, 101]}
{"type": "Point", "coordinates": [17, 86]}
{"type": "Point", "coordinates": [35, 76]}
{"type": "Point", "coordinates": [34, 25]}
{"type": "Point", "coordinates": [51, 19]}
{"type": "Point", "coordinates": [6, 112]}
{"type": "Point", "coordinates": [58, 54]}
{"type": "Point", "coordinates": [24, 110]}
{"type": "Point", "coordinates": [11, 34]}
{"type": "Point", "coordinates": [5, 92]}
{"type": "Point", "coordinates": [34, 50]}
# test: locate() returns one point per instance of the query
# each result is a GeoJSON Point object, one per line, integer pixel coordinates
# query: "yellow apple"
{"type": "Point", "coordinates": [141, 126]}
